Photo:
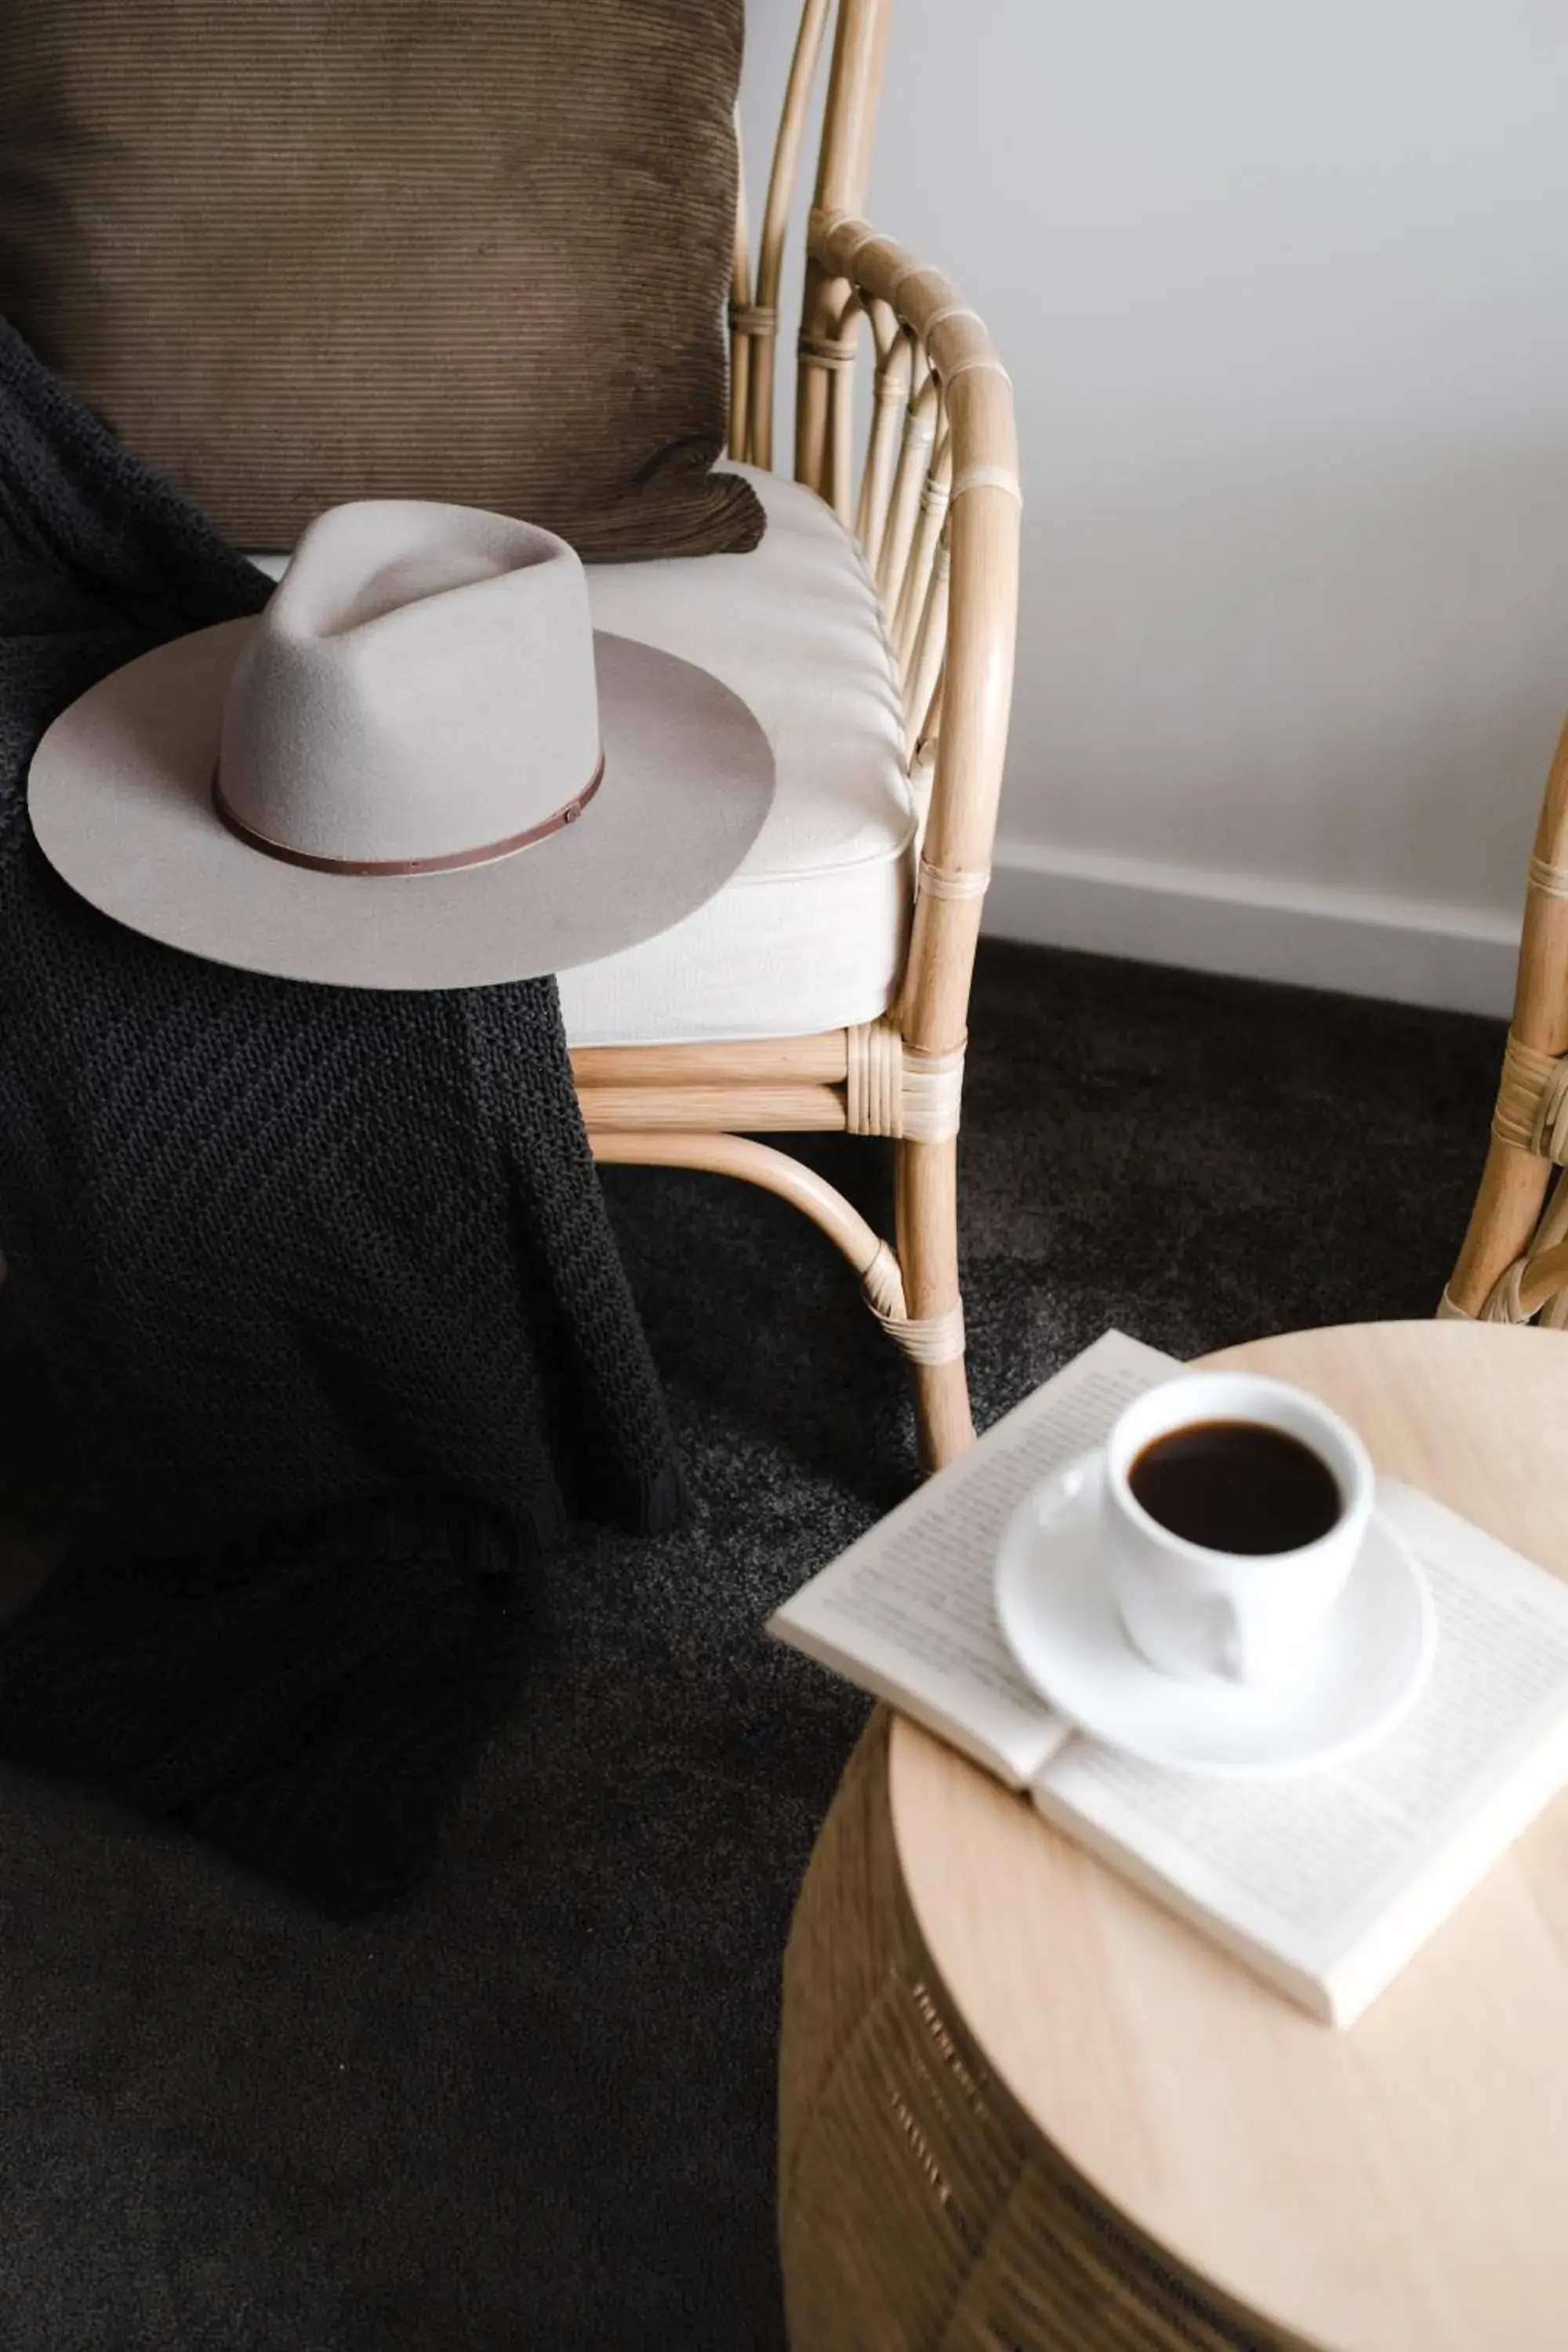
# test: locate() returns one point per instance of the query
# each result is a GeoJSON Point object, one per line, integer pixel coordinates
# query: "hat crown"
{"type": "Point", "coordinates": [420, 691]}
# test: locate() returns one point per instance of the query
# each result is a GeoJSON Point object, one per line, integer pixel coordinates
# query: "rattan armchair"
{"type": "Point", "coordinates": [1513, 1267]}
{"type": "Point", "coordinates": [936, 514]}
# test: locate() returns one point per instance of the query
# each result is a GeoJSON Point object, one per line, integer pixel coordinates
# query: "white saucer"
{"type": "Point", "coordinates": [1057, 1617]}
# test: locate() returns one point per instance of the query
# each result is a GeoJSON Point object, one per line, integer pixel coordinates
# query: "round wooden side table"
{"type": "Point", "coordinates": [1024, 2110]}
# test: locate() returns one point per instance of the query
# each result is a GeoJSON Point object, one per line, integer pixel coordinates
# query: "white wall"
{"type": "Point", "coordinates": [1284, 294]}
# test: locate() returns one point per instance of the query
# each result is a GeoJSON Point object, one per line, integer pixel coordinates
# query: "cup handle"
{"type": "Point", "coordinates": [1229, 1656]}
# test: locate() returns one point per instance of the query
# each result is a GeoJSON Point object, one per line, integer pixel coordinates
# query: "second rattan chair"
{"type": "Point", "coordinates": [1513, 1267]}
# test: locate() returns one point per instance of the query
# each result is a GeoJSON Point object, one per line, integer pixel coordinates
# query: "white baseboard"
{"type": "Point", "coordinates": [1411, 952]}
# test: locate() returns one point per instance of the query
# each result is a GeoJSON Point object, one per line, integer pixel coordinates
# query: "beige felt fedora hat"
{"type": "Point", "coordinates": [418, 768]}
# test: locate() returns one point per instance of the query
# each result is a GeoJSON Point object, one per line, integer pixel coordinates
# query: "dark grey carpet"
{"type": "Point", "coordinates": [536, 2110]}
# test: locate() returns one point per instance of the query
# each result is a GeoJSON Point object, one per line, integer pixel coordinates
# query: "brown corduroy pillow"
{"type": "Point", "coordinates": [300, 251]}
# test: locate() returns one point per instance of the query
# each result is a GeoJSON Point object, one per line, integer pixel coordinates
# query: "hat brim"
{"type": "Point", "coordinates": [120, 793]}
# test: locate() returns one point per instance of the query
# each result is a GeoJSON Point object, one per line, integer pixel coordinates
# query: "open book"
{"type": "Point", "coordinates": [1326, 1885]}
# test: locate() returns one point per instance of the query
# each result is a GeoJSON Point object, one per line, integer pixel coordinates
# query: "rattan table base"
{"type": "Point", "coordinates": [920, 2211]}
{"type": "Point", "coordinates": [1024, 2109]}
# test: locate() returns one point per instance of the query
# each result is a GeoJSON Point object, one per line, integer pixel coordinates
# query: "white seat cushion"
{"type": "Point", "coordinates": [810, 932]}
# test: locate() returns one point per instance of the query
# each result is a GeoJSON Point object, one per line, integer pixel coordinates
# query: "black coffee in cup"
{"type": "Point", "coordinates": [1236, 1485]}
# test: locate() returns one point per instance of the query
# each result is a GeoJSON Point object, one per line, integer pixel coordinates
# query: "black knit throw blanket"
{"type": "Point", "coordinates": [318, 1280]}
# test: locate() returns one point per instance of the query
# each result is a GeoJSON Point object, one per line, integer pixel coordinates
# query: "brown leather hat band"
{"type": "Point", "coordinates": [567, 814]}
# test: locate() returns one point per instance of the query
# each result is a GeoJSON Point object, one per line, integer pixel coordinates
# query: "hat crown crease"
{"type": "Point", "coordinates": [421, 687]}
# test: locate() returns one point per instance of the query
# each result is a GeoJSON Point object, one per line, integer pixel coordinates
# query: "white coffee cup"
{"type": "Point", "coordinates": [1245, 1616]}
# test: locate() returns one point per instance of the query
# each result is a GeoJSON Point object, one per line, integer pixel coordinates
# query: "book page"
{"type": "Point", "coordinates": [907, 1612]}
{"type": "Point", "coordinates": [1340, 1874]}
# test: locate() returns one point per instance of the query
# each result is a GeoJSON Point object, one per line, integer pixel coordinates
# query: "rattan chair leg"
{"type": "Point", "coordinates": [1508, 1203]}
{"type": "Point", "coordinates": [926, 1207]}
